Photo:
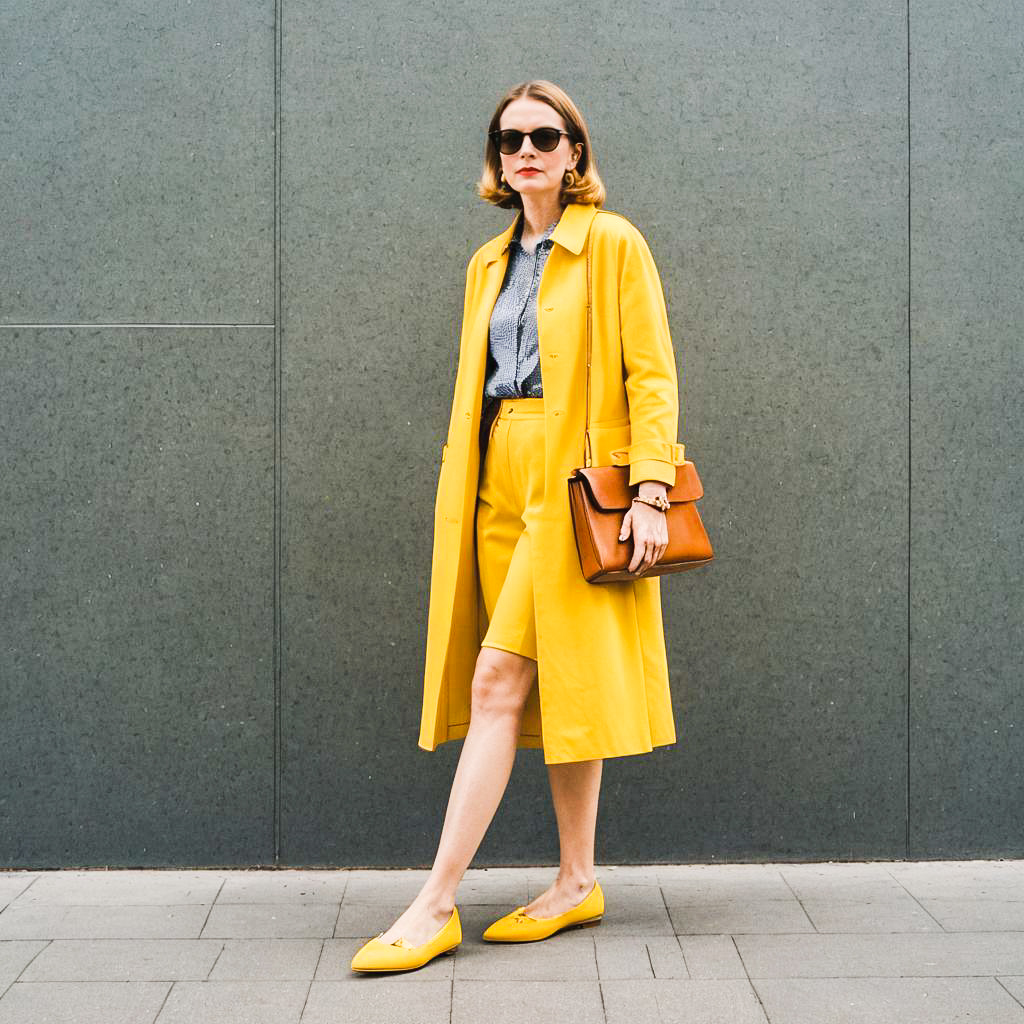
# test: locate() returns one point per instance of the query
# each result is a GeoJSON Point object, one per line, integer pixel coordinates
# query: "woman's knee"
{"type": "Point", "coordinates": [501, 682]}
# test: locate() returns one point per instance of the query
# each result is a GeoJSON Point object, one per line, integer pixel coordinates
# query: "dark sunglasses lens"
{"type": "Point", "coordinates": [545, 139]}
{"type": "Point", "coordinates": [510, 141]}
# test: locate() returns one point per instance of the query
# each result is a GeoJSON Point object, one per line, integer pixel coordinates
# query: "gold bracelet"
{"type": "Point", "coordinates": [655, 501]}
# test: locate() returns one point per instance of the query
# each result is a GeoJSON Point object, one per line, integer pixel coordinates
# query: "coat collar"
{"type": "Point", "coordinates": [570, 232]}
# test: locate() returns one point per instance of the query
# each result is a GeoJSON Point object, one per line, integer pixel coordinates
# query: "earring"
{"type": "Point", "coordinates": [569, 178]}
{"type": "Point", "coordinates": [501, 176]}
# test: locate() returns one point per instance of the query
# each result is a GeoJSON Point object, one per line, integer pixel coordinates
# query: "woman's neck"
{"type": "Point", "coordinates": [536, 220]}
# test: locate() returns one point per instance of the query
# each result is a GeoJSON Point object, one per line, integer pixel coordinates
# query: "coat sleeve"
{"type": "Point", "coordinates": [652, 386]}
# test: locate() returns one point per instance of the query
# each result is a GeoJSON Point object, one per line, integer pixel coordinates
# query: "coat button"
{"type": "Point", "coordinates": [549, 308]}
{"type": "Point", "coordinates": [552, 355]}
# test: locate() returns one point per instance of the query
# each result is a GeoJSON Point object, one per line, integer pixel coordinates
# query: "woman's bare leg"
{"type": "Point", "coordinates": [501, 685]}
{"type": "Point", "coordinates": [575, 788]}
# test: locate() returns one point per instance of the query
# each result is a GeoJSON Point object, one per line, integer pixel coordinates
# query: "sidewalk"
{"type": "Point", "coordinates": [866, 943]}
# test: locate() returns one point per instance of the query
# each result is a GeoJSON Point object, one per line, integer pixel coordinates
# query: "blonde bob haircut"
{"type": "Point", "coordinates": [586, 185]}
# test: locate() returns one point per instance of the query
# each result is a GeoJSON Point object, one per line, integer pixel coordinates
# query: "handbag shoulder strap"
{"type": "Point", "coordinates": [590, 302]}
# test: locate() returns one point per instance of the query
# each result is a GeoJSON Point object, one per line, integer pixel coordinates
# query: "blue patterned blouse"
{"type": "Point", "coordinates": [513, 360]}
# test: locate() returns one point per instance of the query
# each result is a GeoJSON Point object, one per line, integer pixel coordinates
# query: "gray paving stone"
{"type": "Point", "coordinates": [840, 883]}
{"type": "Point", "coordinates": [634, 909]}
{"type": "Point", "coordinates": [630, 1001]}
{"type": "Point", "coordinates": [15, 956]}
{"type": "Point", "coordinates": [13, 884]}
{"type": "Point", "coordinates": [902, 914]}
{"type": "Point", "coordinates": [710, 957]}
{"type": "Point", "coordinates": [638, 956]}
{"type": "Point", "coordinates": [512, 1002]}
{"type": "Point", "coordinates": [124, 960]}
{"type": "Point", "coordinates": [966, 915]}
{"type": "Point", "coordinates": [629, 874]}
{"type": "Point", "coordinates": [267, 959]}
{"type": "Point", "coordinates": [567, 955]}
{"type": "Point", "coordinates": [1014, 984]}
{"type": "Point", "coordinates": [234, 1002]}
{"type": "Point", "coordinates": [976, 880]}
{"type": "Point", "coordinates": [667, 957]}
{"type": "Point", "coordinates": [379, 999]}
{"type": "Point", "coordinates": [366, 886]}
{"type": "Point", "coordinates": [271, 921]}
{"type": "Point", "coordinates": [682, 1002]}
{"type": "Point", "coordinates": [852, 956]}
{"type": "Point", "coordinates": [361, 920]}
{"type": "Point", "coordinates": [739, 916]}
{"type": "Point", "coordinates": [626, 956]}
{"type": "Point", "coordinates": [102, 922]}
{"type": "Point", "coordinates": [123, 888]}
{"type": "Point", "coordinates": [864, 942]}
{"type": "Point", "coordinates": [284, 887]}
{"type": "Point", "coordinates": [82, 1002]}
{"type": "Point", "coordinates": [722, 883]}
{"type": "Point", "coordinates": [495, 886]}
{"type": "Point", "coordinates": [885, 1000]}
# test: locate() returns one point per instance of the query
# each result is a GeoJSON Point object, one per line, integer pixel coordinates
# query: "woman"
{"type": "Point", "coordinates": [521, 650]}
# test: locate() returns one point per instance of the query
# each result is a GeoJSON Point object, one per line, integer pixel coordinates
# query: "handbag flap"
{"type": "Point", "coordinates": [609, 487]}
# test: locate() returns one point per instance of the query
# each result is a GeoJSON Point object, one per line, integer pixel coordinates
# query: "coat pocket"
{"type": "Point", "coordinates": [605, 437]}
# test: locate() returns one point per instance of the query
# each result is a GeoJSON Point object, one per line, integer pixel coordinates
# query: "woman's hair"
{"type": "Point", "coordinates": [586, 187]}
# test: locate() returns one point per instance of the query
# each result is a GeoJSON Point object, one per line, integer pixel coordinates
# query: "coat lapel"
{"type": "Point", "coordinates": [570, 232]}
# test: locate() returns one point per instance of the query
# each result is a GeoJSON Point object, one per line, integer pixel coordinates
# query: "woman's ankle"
{"type": "Point", "coordinates": [436, 903]}
{"type": "Point", "coordinates": [580, 882]}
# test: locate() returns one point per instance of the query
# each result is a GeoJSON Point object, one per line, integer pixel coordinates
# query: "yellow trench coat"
{"type": "Point", "coordinates": [602, 685]}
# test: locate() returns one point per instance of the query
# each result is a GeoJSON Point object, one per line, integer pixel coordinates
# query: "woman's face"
{"type": "Point", "coordinates": [526, 114]}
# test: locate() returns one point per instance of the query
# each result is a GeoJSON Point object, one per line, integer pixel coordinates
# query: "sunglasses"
{"type": "Point", "coordinates": [511, 140]}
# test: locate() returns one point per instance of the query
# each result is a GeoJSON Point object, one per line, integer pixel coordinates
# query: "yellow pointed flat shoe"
{"type": "Point", "coordinates": [520, 927]}
{"type": "Point", "coordinates": [401, 955]}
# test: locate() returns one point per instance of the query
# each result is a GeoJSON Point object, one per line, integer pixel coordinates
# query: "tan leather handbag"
{"type": "Point", "coordinates": [599, 497]}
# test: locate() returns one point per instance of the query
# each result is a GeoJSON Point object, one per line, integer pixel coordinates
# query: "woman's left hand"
{"type": "Point", "coordinates": [650, 535]}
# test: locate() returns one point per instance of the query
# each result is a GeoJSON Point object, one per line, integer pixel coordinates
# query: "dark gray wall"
{"type": "Point", "coordinates": [233, 265]}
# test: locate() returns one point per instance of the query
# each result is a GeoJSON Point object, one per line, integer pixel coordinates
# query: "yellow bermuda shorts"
{"type": "Point", "coordinates": [511, 489]}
